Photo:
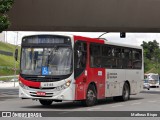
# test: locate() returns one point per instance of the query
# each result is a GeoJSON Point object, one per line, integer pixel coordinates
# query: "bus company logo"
{"type": "Point", "coordinates": [6, 114]}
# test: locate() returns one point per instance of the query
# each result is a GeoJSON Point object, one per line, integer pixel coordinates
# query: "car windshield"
{"type": "Point", "coordinates": [46, 61]}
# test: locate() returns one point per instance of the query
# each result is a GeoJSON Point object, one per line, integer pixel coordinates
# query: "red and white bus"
{"type": "Point", "coordinates": [73, 68]}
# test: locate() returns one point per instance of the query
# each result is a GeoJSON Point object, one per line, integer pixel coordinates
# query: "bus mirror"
{"type": "Point", "coordinates": [16, 54]}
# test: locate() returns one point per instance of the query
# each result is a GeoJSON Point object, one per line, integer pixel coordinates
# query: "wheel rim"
{"type": "Point", "coordinates": [126, 92]}
{"type": "Point", "coordinates": [90, 95]}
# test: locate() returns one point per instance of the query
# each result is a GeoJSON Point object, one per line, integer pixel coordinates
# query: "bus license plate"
{"type": "Point", "coordinates": [41, 94]}
{"type": "Point", "coordinates": [47, 84]}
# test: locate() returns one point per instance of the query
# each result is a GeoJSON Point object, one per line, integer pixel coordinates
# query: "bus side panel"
{"type": "Point", "coordinates": [134, 76]}
{"type": "Point", "coordinates": [97, 76]}
{"type": "Point", "coordinates": [114, 82]}
{"type": "Point", "coordinates": [90, 74]}
{"type": "Point", "coordinates": [80, 93]}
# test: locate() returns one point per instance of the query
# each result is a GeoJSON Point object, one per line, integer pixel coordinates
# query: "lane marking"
{"type": "Point", "coordinates": [65, 112]}
{"type": "Point", "coordinates": [93, 108]}
{"type": "Point", "coordinates": [117, 105]}
{"type": "Point", "coordinates": [136, 103]}
{"type": "Point", "coordinates": [152, 101]}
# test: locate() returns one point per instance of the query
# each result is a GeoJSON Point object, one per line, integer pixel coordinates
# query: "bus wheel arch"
{"type": "Point", "coordinates": [124, 96]}
{"type": "Point", "coordinates": [126, 91]}
{"type": "Point", "coordinates": [93, 84]}
{"type": "Point", "coordinates": [128, 85]}
{"type": "Point", "coordinates": [91, 95]}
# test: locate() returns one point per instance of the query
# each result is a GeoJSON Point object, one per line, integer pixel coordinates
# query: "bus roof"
{"type": "Point", "coordinates": [110, 43]}
{"type": "Point", "coordinates": [96, 40]}
{"type": "Point", "coordinates": [123, 45]}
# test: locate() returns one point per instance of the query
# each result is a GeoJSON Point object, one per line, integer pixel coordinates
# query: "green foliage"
{"type": "Point", "coordinates": [7, 62]}
{"type": "Point", "coordinates": [151, 56]}
{"type": "Point", "coordinates": [5, 6]}
{"type": "Point", "coordinates": [4, 22]}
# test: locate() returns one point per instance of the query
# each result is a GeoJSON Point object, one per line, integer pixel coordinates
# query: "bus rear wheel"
{"type": "Point", "coordinates": [125, 93]}
{"type": "Point", "coordinates": [46, 102]}
{"type": "Point", "coordinates": [91, 96]}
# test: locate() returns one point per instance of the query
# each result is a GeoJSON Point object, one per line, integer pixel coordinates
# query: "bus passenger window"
{"type": "Point", "coordinates": [127, 58]}
{"type": "Point", "coordinates": [137, 59]}
{"type": "Point", "coordinates": [95, 52]}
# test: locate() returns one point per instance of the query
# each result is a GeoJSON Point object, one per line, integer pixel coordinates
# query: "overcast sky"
{"type": "Point", "coordinates": [131, 38]}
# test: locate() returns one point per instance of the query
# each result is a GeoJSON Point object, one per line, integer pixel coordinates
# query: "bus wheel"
{"type": "Point", "coordinates": [91, 96]}
{"type": "Point", "coordinates": [125, 93]}
{"type": "Point", "coordinates": [46, 102]}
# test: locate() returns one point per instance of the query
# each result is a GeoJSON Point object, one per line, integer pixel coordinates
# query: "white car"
{"type": "Point", "coordinates": [146, 85]}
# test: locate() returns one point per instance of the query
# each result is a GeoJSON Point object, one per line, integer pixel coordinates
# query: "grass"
{"type": "Point", "coordinates": [7, 63]}
{"type": "Point", "coordinates": [7, 47]}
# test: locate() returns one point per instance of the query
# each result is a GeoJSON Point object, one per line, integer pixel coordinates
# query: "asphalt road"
{"type": "Point", "coordinates": [147, 100]}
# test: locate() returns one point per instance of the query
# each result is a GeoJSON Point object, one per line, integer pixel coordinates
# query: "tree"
{"type": "Point", "coordinates": [5, 6]}
{"type": "Point", "coordinates": [151, 55]}
{"type": "Point", "coordinates": [151, 49]}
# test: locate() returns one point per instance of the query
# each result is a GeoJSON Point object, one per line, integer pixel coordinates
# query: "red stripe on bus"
{"type": "Point", "coordinates": [88, 39]}
{"type": "Point", "coordinates": [29, 83]}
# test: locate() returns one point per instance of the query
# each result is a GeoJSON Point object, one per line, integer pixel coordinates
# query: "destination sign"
{"type": "Point", "coordinates": [46, 39]}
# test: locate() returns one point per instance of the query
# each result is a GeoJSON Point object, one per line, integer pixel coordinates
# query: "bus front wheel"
{"type": "Point", "coordinates": [45, 102]}
{"type": "Point", "coordinates": [91, 96]}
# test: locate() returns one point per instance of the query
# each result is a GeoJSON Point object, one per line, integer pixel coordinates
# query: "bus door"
{"type": "Point", "coordinates": [96, 72]}
{"type": "Point", "coordinates": [80, 70]}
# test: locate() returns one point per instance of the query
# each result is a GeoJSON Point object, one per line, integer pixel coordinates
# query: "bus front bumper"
{"type": "Point", "coordinates": [66, 94]}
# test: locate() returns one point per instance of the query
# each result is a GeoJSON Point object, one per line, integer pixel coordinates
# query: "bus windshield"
{"type": "Point", "coordinates": [56, 61]}
{"type": "Point", "coordinates": [154, 77]}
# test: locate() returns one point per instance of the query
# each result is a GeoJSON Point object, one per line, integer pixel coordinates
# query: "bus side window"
{"type": "Point", "coordinates": [127, 58]}
{"type": "Point", "coordinates": [137, 59]}
{"type": "Point", "coordinates": [106, 56]}
{"type": "Point", "coordinates": [80, 57]}
{"type": "Point", "coordinates": [118, 57]}
{"type": "Point", "coordinates": [95, 53]}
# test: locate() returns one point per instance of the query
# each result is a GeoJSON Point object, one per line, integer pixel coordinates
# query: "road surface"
{"type": "Point", "coordinates": [147, 100]}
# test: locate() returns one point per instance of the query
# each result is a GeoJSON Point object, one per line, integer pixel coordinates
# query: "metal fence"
{"type": "Point", "coordinates": [6, 53]}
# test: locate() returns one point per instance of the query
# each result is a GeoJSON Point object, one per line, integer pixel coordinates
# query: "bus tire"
{"type": "Point", "coordinates": [91, 96]}
{"type": "Point", "coordinates": [125, 93]}
{"type": "Point", "coordinates": [46, 102]}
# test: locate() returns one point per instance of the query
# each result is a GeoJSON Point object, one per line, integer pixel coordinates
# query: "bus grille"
{"type": "Point", "coordinates": [42, 88]}
{"type": "Point", "coordinates": [39, 79]}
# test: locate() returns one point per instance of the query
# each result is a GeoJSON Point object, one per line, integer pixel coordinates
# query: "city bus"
{"type": "Point", "coordinates": [75, 68]}
{"type": "Point", "coordinates": [153, 79]}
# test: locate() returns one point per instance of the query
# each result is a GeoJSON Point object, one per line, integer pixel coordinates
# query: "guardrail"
{"type": "Point", "coordinates": [6, 53]}
{"type": "Point", "coordinates": [8, 76]}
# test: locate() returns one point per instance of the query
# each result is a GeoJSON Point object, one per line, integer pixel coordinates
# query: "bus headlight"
{"type": "Point", "coordinates": [23, 86]}
{"type": "Point", "coordinates": [64, 86]}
